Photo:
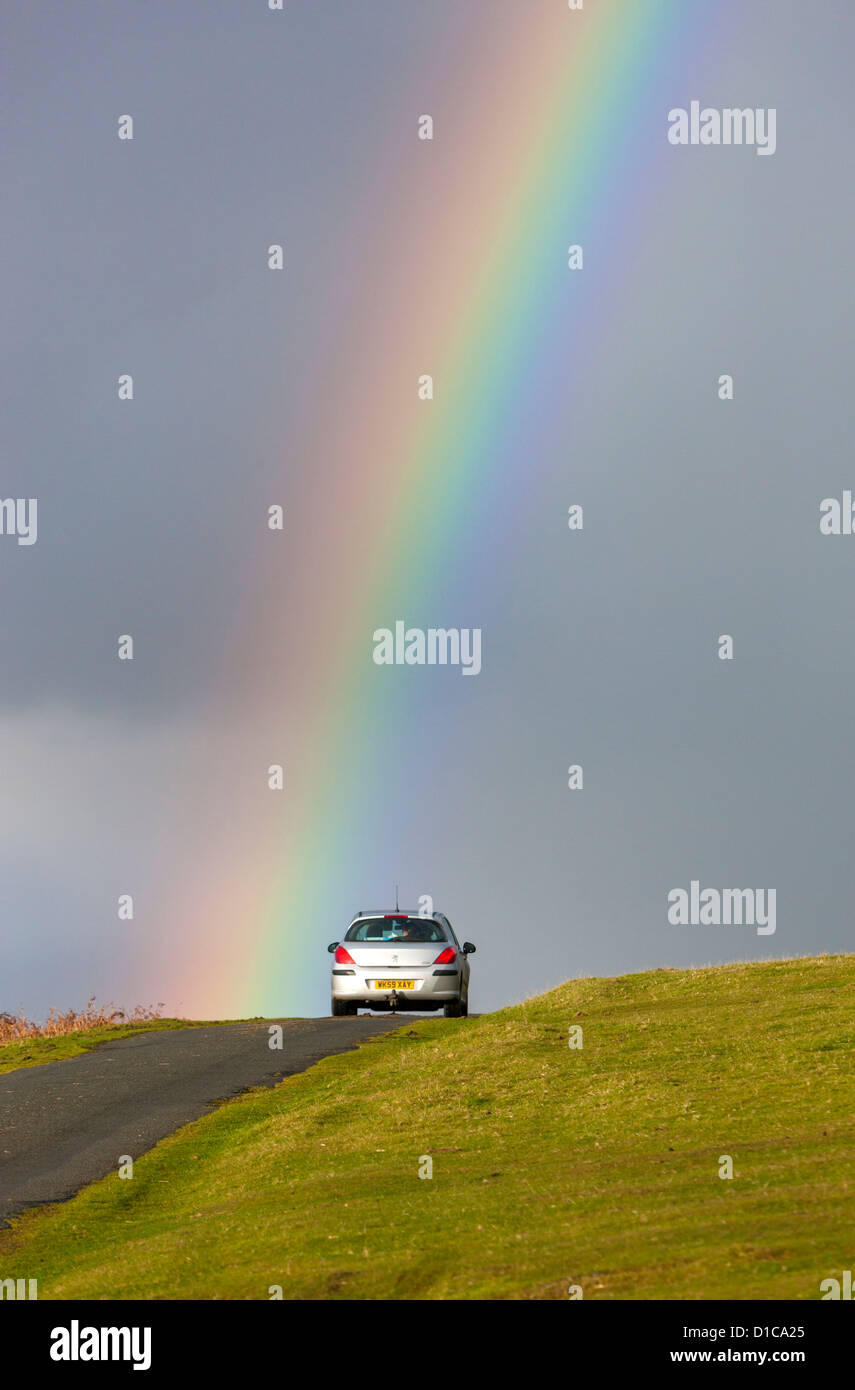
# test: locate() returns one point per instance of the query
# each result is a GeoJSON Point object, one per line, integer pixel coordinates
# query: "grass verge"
{"type": "Point", "coordinates": [33, 1052]}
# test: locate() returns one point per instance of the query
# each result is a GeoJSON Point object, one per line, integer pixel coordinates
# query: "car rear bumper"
{"type": "Point", "coordinates": [431, 988]}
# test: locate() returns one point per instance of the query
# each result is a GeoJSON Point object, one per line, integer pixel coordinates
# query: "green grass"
{"type": "Point", "coordinates": [552, 1166]}
{"type": "Point", "coordinates": [33, 1052]}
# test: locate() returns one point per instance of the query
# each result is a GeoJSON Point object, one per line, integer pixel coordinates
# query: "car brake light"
{"type": "Point", "coordinates": [343, 957]}
{"type": "Point", "coordinates": [446, 957]}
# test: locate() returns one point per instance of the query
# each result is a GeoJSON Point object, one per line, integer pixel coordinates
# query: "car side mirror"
{"type": "Point", "coordinates": [468, 948]}
{"type": "Point", "coordinates": [332, 946]}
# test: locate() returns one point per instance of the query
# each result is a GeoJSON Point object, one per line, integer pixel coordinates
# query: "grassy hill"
{"type": "Point", "coordinates": [552, 1166]}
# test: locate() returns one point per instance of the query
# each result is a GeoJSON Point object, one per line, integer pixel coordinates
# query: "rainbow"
{"type": "Point", "coordinates": [555, 141]}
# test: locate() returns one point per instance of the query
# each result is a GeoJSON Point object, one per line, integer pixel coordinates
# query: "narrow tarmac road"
{"type": "Point", "coordinates": [66, 1124]}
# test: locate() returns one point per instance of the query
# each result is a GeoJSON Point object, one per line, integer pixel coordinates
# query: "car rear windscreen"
{"type": "Point", "coordinates": [396, 929]}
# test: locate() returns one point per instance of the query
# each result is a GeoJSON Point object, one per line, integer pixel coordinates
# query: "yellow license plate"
{"type": "Point", "coordinates": [394, 984]}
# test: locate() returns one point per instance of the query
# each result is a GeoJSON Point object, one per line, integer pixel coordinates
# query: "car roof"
{"type": "Point", "coordinates": [398, 912]}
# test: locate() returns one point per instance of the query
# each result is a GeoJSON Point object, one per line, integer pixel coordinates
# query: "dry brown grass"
{"type": "Point", "coordinates": [15, 1027]}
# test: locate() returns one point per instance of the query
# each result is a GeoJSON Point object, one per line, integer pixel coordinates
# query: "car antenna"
{"type": "Point", "coordinates": [397, 909]}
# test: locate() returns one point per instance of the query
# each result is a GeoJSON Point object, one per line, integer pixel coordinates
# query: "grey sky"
{"type": "Point", "coordinates": [701, 517]}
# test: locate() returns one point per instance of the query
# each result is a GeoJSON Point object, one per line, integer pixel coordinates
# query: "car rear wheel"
{"type": "Point", "coordinates": [341, 1008]}
{"type": "Point", "coordinates": [455, 1009]}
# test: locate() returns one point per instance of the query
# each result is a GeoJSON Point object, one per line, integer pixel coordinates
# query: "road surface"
{"type": "Point", "coordinates": [66, 1124]}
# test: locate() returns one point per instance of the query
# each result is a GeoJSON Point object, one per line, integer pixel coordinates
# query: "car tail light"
{"type": "Point", "coordinates": [446, 957]}
{"type": "Point", "coordinates": [343, 957]}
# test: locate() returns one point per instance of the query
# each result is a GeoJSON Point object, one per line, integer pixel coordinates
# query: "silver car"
{"type": "Point", "coordinates": [400, 960]}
